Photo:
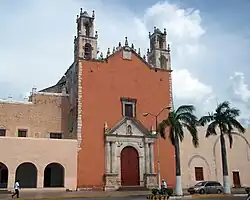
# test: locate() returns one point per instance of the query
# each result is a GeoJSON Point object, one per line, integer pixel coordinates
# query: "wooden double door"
{"type": "Point", "coordinates": [130, 173]}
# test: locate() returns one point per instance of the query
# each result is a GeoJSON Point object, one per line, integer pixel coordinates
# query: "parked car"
{"type": "Point", "coordinates": [206, 187]}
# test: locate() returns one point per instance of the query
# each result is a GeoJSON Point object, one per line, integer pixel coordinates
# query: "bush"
{"type": "Point", "coordinates": [169, 191]}
{"type": "Point", "coordinates": [247, 189]}
{"type": "Point", "coordinates": [155, 191]}
{"type": "Point", "coordinates": [163, 191]}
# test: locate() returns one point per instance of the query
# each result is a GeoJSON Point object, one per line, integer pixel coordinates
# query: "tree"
{"type": "Point", "coordinates": [177, 120]}
{"type": "Point", "coordinates": [223, 120]}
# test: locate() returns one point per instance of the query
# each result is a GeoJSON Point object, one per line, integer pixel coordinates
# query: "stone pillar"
{"type": "Point", "coordinates": [151, 158]}
{"type": "Point", "coordinates": [107, 157]}
{"type": "Point", "coordinates": [111, 176]}
{"type": "Point", "coordinates": [150, 176]}
{"type": "Point", "coordinates": [147, 158]}
{"type": "Point", "coordinates": [40, 178]}
{"type": "Point", "coordinates": [11, 178]}
{"type": "Point", "coordinates": [113, 157]}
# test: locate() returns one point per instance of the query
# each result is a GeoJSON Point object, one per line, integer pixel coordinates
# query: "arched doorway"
{"type": "Point", "coordinates": [4, 173]}
{"type": "Point", "coordinates": [26, 173]}
{"type": "Point", "coordinates": [130, 167]}
{"type": "Point", "coordinates": [54, 175]}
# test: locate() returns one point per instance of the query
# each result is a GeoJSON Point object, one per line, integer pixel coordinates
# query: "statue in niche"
{"type": "Point", "coordinates": [129, 130]}
{"type": "Point", "coordinates": [106, 129]}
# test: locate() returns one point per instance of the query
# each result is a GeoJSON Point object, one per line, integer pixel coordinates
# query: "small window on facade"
{"type": "Point", "coordinates": [22, 133]}
{"type": "Point", "coordinates": [128, 107]}
{"type": "Point", "coordinates": [2, 132]}
{"type": "Point", "coordinates": [128, 110]}
{"type": "Point", "coordinates": [199, 173]}
{"type": "Point", "coordinates": [56, 135]}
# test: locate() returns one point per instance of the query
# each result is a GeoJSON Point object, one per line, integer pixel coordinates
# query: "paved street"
{"type": "Point", "coordinates": [142, 198]}
{"type": "Point", "coordinates": [88, 195]}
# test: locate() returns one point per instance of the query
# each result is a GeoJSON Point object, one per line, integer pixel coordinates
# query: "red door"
{"type": "Point", "coordinates": [129, 167]}
{"type": "Point", "coordinates": [236, 179]}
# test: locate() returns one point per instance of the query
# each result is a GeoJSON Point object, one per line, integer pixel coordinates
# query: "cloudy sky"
{"type": "Point", "coordinates": [209, 39]}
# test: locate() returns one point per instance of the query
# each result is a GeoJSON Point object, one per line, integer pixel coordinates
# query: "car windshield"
{"type": "Point", "coordinates": [200, 184]}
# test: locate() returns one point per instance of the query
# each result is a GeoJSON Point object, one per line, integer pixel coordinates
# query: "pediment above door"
{"type": "Point", "coordinates": [129, 127]}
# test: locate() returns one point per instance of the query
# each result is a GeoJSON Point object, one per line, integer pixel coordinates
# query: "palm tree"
{"type": "Point", "coordinates": [177, 120]}
{"type": "Point", "coordinates": [223, 120]}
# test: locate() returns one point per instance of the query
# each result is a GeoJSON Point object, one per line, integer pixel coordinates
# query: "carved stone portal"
{"type": "Point", "coordinates": [129, 133]}
{"type": "Point", "coordinates": [150, 180]}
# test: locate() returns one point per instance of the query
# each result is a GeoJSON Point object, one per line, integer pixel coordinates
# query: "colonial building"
{"type": "Point", "coordinates": [99, 107]}
{"type": "Point", "coordinates": [29, 143]}
{"type": "Point", "coordinates": [204, 163]}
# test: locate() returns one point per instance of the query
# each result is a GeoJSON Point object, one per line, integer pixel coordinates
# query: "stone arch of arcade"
{"type": "Point", "coordinates": [130, 172]}
{"type": "Point", "coordinates": [4, 173]}
{"type": "Point", "coordinates": [54, 175]}
{"type": "Point", "coordinates": [216, 142]}
{"type": "Point", "coordinates": [26, 173]}
{"type": "Point", "coordinates": [197, 156]}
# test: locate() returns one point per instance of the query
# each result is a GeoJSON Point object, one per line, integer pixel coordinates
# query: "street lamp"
{"type": "Point", "coordinates": [158, 146]}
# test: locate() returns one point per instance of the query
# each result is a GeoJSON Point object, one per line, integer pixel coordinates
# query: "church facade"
{"type": "Point", "coordinates": [108, 95]}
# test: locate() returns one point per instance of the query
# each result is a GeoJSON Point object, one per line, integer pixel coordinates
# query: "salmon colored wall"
{"type": "Point", "coordinates": [103, 85]}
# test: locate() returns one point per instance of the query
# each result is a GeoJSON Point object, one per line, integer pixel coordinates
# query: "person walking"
{"type": "Point", "coordinates": [16, 188]}
{"type": "Point", "coordinates": [163, 184]}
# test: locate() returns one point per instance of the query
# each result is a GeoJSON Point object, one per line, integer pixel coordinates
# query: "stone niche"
{"type": "Point", "coordinates": [129, 133]}
{"type": "Point", "coordinates": [127, 53]}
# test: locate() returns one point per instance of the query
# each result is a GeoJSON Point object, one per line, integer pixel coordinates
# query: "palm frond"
{"type": "Point", "coordinates": [187, 117]}
{"type": "Point", "coordinates": [211, 129]}
{"type": "Point", "coordinates": [185, 108]}
{"type": "Point", "coordinates": [225, 126]}
{"type": "Point", "coordinates": [205, 119]}
{"type": "Point", "coordinates": [232, 112]}
{"type": "Point", "coordinates": [161, 128]}
{"type": "Point", "coordinates": [171, 136]}
{"type": "Point", "coordinates": [178, 129]}
{"type": "Point", "coordinates": [237, 125]}
{"type": "Point", "coordinates": [222, 106]}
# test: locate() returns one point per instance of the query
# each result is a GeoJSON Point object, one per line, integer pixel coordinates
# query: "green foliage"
{"type": "Point", "coordinates": [163, 191]}
{"type": "Point", "coordinates": [168, 191]}
{"type": "Point", "coordinates": [223, 118]}
{"type": "Point", "coordinates": [155, 191]}
{"type": "Point", "coordinates": [177, 120]}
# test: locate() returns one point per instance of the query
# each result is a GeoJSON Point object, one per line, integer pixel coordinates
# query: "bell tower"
{"type": "Point", "coordinates": [159, 52]}
{"type": "Point", "coordinates": [85, 43]}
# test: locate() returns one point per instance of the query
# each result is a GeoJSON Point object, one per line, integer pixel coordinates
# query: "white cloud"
{"type": "Point", "coordinates": [187, 87]}
{"type": "Point", "coordinates": [239, 86]}
{"type": "Point", "coordinates": [240, 94]}
{"type": "Point", "coordinates": [183, 26]}
{"type": "Point", "coordinates": [181, 23]}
